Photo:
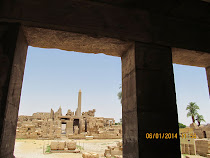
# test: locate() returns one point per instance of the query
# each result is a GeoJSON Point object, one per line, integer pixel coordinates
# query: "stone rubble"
{"type": "Point", "coordinates": [114, 151]}
{"type": "Point", "coordinates": [78, 125]}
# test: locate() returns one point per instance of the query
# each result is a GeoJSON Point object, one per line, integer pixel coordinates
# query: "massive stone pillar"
{"type": "Point", "coordinates": [208, 77]}
{"type": "Point", "coordinates": [149, 103]}
{"type": "Point", "coordinates": [13, 50]}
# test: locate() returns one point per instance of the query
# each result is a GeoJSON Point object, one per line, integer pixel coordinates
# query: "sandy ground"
{"type": "Point", "coordinates": [194, 156]}
{"type": "Point", "coordinates": [29, 148]}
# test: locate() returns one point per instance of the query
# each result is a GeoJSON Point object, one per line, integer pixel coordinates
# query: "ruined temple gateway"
{"type": "Point", "coordinates": [76, 125]}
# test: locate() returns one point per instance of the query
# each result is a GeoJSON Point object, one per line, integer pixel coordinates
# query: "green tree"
{"type": "Point", "coordinates": [181, 125]}
{"type": "Point", "coordinates": [199, 119]}
{"type": "Point", "coordinates": [192, 110]}
{"type": "Point", "coordinates": [119, 123]}
{"type": "Point", "coordinates": [120, 95]}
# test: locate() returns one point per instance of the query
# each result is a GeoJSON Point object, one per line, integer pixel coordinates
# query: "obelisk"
{"type": "Point", "coordinates": [78, 112]}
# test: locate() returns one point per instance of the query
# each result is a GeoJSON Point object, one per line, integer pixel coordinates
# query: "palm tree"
{"type": "Point", "coordinates": [120, 95]}
{"type": "Point", "coordinates": [192, 110]}
{"type": "Point", "coordinates": [199, 119]}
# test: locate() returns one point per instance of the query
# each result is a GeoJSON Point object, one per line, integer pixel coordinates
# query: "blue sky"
{"type": "Point", "coordinates": [191, 86]}
{"type": "Point", "coordinates": [53, 78]}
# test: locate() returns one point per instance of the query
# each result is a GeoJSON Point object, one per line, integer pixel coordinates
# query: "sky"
{"type": "Point", "coordinates": [191, 86]}
{"type": "Point", "coordinates": [53, 77]}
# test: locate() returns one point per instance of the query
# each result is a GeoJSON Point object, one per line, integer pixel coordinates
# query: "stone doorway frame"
{"type": "Point", "coordinates": [149, 99]}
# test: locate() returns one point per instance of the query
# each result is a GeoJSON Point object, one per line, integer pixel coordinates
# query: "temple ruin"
{"type": "Point", "coordinates": [77, 125]}
{"type": "Point", "coordinates": [195, 140]}
{"type": "Point", "coordinates": [149, 36]}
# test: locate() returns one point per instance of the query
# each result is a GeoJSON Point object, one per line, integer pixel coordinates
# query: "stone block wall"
{"type": "Point", "coordinates": [61, 145]}
{"type": "Point", "coordinates": [202, 147]}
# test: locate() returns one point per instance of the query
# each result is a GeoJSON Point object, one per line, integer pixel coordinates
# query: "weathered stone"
{"type": "Point", "coordinates": [54, 145]}
{"type": "Point", "coordinates": [71, 145]}
{"type": "Point", "coordinates": [13, 50]}
{"type": "Point", "coordinates": [49, 125]}
{"type": "Point", "coordinates": [148, 81]}
{"type": "Point", "coordinates": [90, 155]}
{"type": "Point", "coordinates": [61, 145]}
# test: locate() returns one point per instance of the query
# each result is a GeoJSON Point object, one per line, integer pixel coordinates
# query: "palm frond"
{"type": "Point", "coordinates": [200, 118]}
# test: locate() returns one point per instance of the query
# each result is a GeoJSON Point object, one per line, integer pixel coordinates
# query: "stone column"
{"type": "Point", "coordinates": [13, 50]}
{"type": "Point", "coordinates": [208, 77]}
{"type": "Point", "coordinates": [69, 127]}
{"type": "Point", "coordinates": [149, 102]}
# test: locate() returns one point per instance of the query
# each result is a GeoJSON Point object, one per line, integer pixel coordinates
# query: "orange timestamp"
{"type": "Point", "coordinates": [188, 135]}
{"type": "Point", "coordinates": [162, 135]}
